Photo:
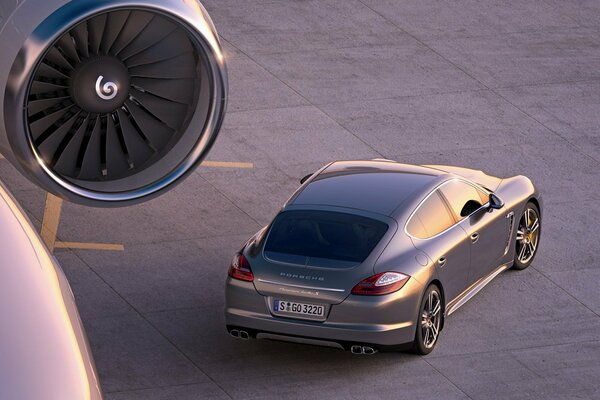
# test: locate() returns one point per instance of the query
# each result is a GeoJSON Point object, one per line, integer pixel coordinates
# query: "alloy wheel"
{"type": "Point", "coordinates": [431, 318]}
{"type": "Point", "coordinates": [528, 235]}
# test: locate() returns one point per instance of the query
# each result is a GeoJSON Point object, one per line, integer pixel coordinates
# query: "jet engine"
{"type": "Point", "coordinates": [111, 102]}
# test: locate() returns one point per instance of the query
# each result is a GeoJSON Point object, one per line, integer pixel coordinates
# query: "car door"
{"type": "Point", "coordinates": [487, 231]}
{"type": "Point", "coordinates": [433, 230]}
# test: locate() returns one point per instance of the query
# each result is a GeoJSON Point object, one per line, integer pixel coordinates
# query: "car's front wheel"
{"type": "Point", "coordinates": [429, 321]}
{"type": "Point", "coordinates": [528, 236]}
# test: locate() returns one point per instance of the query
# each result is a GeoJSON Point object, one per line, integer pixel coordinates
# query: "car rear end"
{"type": "Point", "coordinates": [309, 278]}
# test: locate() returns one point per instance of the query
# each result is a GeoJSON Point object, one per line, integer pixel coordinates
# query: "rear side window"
{"type": "Point", "coordinates": [431, 218]}
{"type": "Point", "coordinates": [306, 235]}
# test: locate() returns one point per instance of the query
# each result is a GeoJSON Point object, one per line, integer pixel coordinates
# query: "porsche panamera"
{"type": "Point", "coordinates": [375, 255]}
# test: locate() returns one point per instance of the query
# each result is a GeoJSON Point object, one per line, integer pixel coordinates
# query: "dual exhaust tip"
{"type": "Point", "coordinates": [239, 334]}
{"type": "Point", "coordinates": [367, 350]}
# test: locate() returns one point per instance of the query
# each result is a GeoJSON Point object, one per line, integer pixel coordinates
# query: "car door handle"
{"type": "Point", "coordinates": [442, 261]}
{"type": "Point", "coordinates": [474, 237]}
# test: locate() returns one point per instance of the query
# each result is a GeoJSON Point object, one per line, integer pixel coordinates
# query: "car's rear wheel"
{"type": "Point", "coordinates": [528, 236]}
{"type": "Point", "coordinates": [429, 321]}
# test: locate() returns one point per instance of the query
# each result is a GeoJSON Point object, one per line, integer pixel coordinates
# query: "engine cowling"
{"type": "Point", "coordinates": [112, 102]}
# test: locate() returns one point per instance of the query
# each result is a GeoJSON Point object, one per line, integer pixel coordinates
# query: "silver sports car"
{"type": "Point", "coordinates": [374, 255]}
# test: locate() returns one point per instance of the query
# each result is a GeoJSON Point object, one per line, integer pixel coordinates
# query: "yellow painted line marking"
{"type": "Point", "coordinates": [89, 246]}
{"type": "Point", "coordinates": [227, 164]}
{"type": "Point", "coordinates": [51, 220]}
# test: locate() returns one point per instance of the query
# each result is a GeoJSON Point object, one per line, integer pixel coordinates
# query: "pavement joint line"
{"type": "Point", "coordinates": [149, 322]}
{"type": "Point", "coordinates": [310, 103]}
{"type": "Point", "coordinates": [479, 81]}
{"type": "Point", "coordinates": [227, 164]}
{"type": "Point", "coordinates": [446, 378]}
{"type": "Point", "coordinates": [516, 349]}
{"type": "Point", "coordinates": [566, 292]}
{"type": "Point", "coordinates": [49, 230]}
{"type": "Point", "coordinates": [231, 201]}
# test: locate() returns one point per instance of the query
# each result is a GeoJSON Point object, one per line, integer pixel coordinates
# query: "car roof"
{"type": "Point", "coordinates": [378, 186]}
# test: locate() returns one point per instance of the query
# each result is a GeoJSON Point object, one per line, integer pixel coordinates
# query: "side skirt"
{"type": "Point", "coordinates": [472, 290]}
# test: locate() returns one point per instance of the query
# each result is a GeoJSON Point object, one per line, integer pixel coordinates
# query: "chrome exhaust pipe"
{"type": "Point", "coordinates": [239, 334]}
{"type": "Point", "coordinates": [244, 335]}
{"type": "Point", "coordinates": [368, 350]}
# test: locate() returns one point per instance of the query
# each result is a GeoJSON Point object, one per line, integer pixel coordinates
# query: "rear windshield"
{"type": "Point", "coordinates": [314, 237]}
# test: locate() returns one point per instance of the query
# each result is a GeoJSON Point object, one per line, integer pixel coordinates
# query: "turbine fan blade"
{"type": "Point", "coordinates": [178, 90]}
{"type": "Point", "coordinates": [171, 113]}
{"type": "Point", "coordinates": [180, 67]}
{"type": "Point", "coordinates": [133, 27]}
{"type": "Point", "coordinates": [114, 23]}
{"type": "Point", "coordinates": [96, 31]}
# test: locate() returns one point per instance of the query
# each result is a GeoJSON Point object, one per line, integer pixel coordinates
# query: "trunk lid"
{"type": "Point", "coordinates": [293, 273]}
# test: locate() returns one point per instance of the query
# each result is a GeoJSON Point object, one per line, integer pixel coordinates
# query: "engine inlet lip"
{"type": "Point", "coordinates": [190, 17]}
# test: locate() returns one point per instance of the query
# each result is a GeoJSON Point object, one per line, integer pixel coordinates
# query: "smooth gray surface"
{"type": "Point", "coordinates": [510, 88]}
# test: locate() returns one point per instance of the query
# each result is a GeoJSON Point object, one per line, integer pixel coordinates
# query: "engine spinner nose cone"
{"type": "Point", "coordinates": [100, 84]}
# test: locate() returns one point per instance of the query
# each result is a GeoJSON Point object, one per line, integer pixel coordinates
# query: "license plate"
{"type": "Point", "coordinates": [298, 308]}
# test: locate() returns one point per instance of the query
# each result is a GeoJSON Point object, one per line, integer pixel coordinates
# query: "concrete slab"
{"type": "Point", "coordinates": [584, 12]}
{"type": "Point", "coordinates": [131, 354]}
{"type": "Point", "coordinates": [437, 123]}
{"type": "Point", "coordinates": [513, 313]}
{"type": "Point", "coordinates": [286, 136]}
{"type": "Point", "coordinates": [270, 370]}
{"type": "Point", "coordinates": [466, 18]}
{"type": "Point", "coordinates": [181, 392]}
{"type": "Point", "coordinates": [581, 283]}
{"type": "Point", "coordinates": [168, 275]}
{"type": "Point", "coordinates": [95, 299]}
{"type": "Point", "coordinates": [281, 26]}
{"type": "Point", "coordinates": [518, 59]}
{"type": "Point", "coordinates": [253, 88]}
{"type": "Point", "coordinates": [539, 372]}
{"type": "Point", "coordinates": [570, 220]}
{"type": "Point", "coordinates": [370, 72]}
{"type": "Point", "coordinates": [259, 192]}
{"type": "Point", "coordinates": [569, 109]}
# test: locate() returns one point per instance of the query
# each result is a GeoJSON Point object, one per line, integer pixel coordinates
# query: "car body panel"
{"type": "Point", "coordinates": [485, 228]}
{"type": "Point", "coordinates": [44, 353]}
{"type": "Point", "coordinates": [453, 245]}
{"type": "Point", "coordinates": [390, 319]}
{"type": "Point", "coordinates": [380, 320]}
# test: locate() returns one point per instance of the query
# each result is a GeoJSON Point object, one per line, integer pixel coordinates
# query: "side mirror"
{"type": "Point", "coordinates": [305, 178]}
{"type": "Point", "coordinates": [496, 202]}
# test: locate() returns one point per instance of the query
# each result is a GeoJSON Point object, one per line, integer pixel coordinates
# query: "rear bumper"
{"type": "Point", "coordinates": [383, 322]}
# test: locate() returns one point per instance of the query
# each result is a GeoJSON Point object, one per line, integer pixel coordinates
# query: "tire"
{"type": "Point", "coordinates": [529, 230]}
{"type": "Point", "coordinates": [429, 321]}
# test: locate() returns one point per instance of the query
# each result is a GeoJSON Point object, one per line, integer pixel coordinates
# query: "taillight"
{"type": "Point", "coordinates": [240, 268]}
{"type": "Point", "coordinates": [383, 283]}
